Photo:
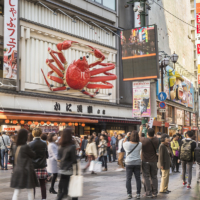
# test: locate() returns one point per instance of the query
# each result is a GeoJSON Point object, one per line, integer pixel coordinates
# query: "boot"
{"type": "Point", "coordinates": [51, 190]}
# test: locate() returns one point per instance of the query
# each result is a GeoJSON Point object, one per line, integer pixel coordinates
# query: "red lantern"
{"type": "Point", "coordinates": [36, 123]}
{"type": "Point", "coordinates": [48, 122]}
{"type": "Point", "coordinates": [29, 122]}
{"type": "Point", "coordinates": [63, 124]}
{"type": "Point", "coordinates": [83, 125]}
{"type": "Point", "coordinates": [7, 121]}
{"type": "Point", "coordinates": [76, 124]}
{"type": "Point", "coordinates": [55, 124]}
{"type": "Point", "coordinates": [70, 124]}
{"type": "Point", "coordinates": [42, 123]}
{"type": "Point", "coordinates": [22, 122]}
{"type": "Point", "coordinates": [14, 121]}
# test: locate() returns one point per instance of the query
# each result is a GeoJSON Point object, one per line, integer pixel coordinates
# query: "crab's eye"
{"type": "Point", "coordinates": [87, 56]}
{"type": "Point", "coordinates": [92, 49]}
{"type": "Point", "coordinates": [81, 58]}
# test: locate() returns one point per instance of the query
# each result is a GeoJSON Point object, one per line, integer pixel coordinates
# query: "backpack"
{"type": "Point", "coordinates": [197, 154]}
{"type": "Point", "coordinates": [186, 151]}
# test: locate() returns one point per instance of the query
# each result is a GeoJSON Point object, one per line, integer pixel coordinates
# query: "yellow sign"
{"type": "Point", "coordinates": [198, 69]}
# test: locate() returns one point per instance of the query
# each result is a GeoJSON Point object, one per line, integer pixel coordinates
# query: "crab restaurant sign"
{"type": "Point", "coordinates": [10, 39]}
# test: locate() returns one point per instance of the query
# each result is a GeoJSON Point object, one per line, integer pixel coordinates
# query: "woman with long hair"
{"type": "Point", "coordinates": [23, 176]}
{"type": "Point", "coordinates": [66, 157]}
{"type": "Point", "coordinates": [91, 152]}
{"type": "Point", "coordinates": [52, 160]}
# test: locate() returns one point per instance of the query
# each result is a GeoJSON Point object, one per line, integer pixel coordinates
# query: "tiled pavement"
{"type": "Point", "coordinates": [108, 185]}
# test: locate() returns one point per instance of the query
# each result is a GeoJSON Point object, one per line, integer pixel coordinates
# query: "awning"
{"type": "Point", "coordinates": [35, 117]}
{"type": "Point", "coordinates": [157, 123]}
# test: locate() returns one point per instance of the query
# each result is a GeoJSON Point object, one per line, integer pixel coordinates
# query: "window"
{"type": "Point", "coordinates": [111, 4]}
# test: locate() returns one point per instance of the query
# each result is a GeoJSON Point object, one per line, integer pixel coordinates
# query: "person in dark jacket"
{"type": "Point", "coordinates": [12, 149]}
{"type": "Point", "coordinates": [23, 176]}
{"type": "Point", "coordinates": [39, 162]}
{"type": "Point", "coordinates": [66, 158]}
{"type": "Point", "coordinates": [164, 163]}
{"type": "Point", "coordinates": [83, 146]}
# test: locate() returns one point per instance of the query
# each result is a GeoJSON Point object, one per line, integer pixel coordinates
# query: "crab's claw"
{"type": "Point", "coordinates": [65, 45]}
{"type": "Point", "coordinates": [96, 53]}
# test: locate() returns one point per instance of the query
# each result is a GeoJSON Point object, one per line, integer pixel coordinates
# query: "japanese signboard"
{"type": "Point", "coordinates": [10, 39]}
{"type": "Point", "coordinates": [141, 99]}
{"type": "Point", "coordinates": [11, 128]}
{"type": "Point", "coordinates": [187, 118]}
{"type": "Point", "coordinates": [198, 22]}
{"type": "Point", "coordinates": [198, 48]}
{"type": "Point", "coordinates": [199, 79]}
{"type": "Point", "coordinates": [193, 119]}
{"type": "Point", "coordinates": [179, 116]}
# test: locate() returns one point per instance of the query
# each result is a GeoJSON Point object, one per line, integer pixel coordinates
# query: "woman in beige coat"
{"type": "Point", "coordinates": [91, 152]}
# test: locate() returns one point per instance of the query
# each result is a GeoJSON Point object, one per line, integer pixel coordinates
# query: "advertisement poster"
{"type": "Point", "coordinates": [187, 118]}
{"type": "Point", "coordinates": [10, 39]}
{"type": "Point", "coordinates": [179, 116]}
{"type": "Point", "coordinates": [141, 99]}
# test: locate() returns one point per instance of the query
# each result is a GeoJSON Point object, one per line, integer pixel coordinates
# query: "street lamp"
{"type": "Point", "coordinates": [174, 58]}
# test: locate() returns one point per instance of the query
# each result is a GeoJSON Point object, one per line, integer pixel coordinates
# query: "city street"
{"type": "Point", "coordinates": [108, 185]}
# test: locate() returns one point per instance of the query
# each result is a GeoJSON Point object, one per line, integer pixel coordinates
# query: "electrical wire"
{"type": "Point", "coordinates": [174, 15]}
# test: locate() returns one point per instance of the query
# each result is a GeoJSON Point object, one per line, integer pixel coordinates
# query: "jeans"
{"type": "Point", "coordinates": [149, 170]}
{"type": "Point", "coordinates": [130, 169]}
{"type": "Point", "coordinates": [63, 187]}
{"type": "Point", "coordinates": [3, 153]}
{"type": "Point", "coordinates": [17, 191]}
{"type": "Point", "coordinates": [114, 153]}
{"type": "Point", "coordinates": [175, 164]}
{"type": "Point", "coordinates": [108, 153]}
{"type": "Point", "coordinates": [103, 159]}
{"type": "Point", "coordinates": [189, 170]}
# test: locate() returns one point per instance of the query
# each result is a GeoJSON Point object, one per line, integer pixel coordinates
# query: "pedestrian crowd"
{"type": "Point", "coordinates": [39, 157]}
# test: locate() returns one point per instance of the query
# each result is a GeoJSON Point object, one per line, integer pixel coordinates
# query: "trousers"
{"type": "Point", "coordinates": [109, 154]}
{"type": "Point", "coordinates": [114, 152]}
{"type": "Point", "coordinates": [189, 170]}
{"type": "Point", "coordinates": [53, 180]}
{"type": "Point", "coordinates": [4, 154]}
{"type": "Point", "coordinates": [43, 188]}
{"type": "Point", "coordinates": [130, 169]}
{"type": "Point", "coordinates": [149, 171]}
{"type": "Point", "coordinates": [120, 159]}
{"type": "Point", "coordinates": [175, 164]}
{"type": "Point", "coordinates": [103, 159]}
{"type": "Point", "coordinates": [17, 192]}
{"type": "Point", "coordinates": [164, 180]}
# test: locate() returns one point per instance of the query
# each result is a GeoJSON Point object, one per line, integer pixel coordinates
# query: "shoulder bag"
{"type": "Point", "coordinates": [132, 150]}
{"type": "Point", "coordinates": [6, 149]}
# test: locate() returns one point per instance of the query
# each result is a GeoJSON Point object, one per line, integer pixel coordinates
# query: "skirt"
{"type": "Point", "coordinates": [41, 173]}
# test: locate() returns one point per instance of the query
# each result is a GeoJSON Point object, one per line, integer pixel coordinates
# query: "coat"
{"type": "Point", "coordinates": [53, 157]}
{"type": "Point", "coordinates": [24, 174]}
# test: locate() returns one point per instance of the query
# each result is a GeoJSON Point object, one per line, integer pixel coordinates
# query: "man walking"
{"type": "Point", "coordinates": [108, 146]}
{"type": "Point", "coordinates": [187, 157]}
{"type": "Point", "coordinates": [4, 143]}
{"type": "Point", "coordinates": [149, 161]}
{"type": "Point", "coordinates": [164, 163]}
{"type": "Point", "coordinates": [113, 145]}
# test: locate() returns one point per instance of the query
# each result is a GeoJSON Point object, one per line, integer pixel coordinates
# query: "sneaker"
{"type": "Point", "coordinates": [130, 196]}
{"type": "Point", "coordinates": [188, 187]}
{"type": "Point", "coordinates": [154, 195]}
{"type": "Point", "coordinates": [149, 196]}
{"type": "Point", "coordinates": [184, 183]}
{"type": "Point", "coordinates": [138, 196]}
{"type": "Point", "coordinates": [119, 170]}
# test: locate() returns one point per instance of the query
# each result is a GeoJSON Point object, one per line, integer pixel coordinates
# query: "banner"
{"type": "Point", "coordinates": [10, 39]}
{"type": "Point", "coordinates": [141, 99]}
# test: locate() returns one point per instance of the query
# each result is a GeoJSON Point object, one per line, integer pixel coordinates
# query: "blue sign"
{"type": "Point", "coordinates": [162, 96]}
{"type": "Point", "coordinates": [162, 105]}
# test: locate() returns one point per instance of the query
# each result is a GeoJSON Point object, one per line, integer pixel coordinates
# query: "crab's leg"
{"type": "Point", "coordinates": [54, 78]}
{"type": "Point", "coordinates": [89, 94]}
{"type": "Point", "coordinates": [100, 86]}
{"type": "Point", "coordinates": [53, 89]}
{"type": "Point", "coordinates": [110, 66]}
{"type": "Point", "coordinates": [54, 68]}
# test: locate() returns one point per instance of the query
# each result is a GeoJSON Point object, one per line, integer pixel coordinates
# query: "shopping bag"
{"type": "Point", "coordinates": [80, 153]}
{"type": "Point", "coordinates": [95, 166]}
{"type": "Point", "coordinates": [76, 183]}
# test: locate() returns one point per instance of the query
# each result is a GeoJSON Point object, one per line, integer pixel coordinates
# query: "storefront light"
{"type": "Point", "coordinates": [55, 124]}
{"type": "Point", "coordinates": [42, 122]}
{"type": "Point", "coordinates": [22, 122]}
{"type": "Point", "coordinates": [48, 123]}
{"type": "Point", "coordinates": [83, 125]}
{"type": "Point", "coordinates": [70, 124]}
{"type": "Point", "coordinates": [29, 122]}
{"type": "Point", "coordinates": [76, 124]}
{"type": "Point", "coordinates": [7, 121]}
{"type": "Point", "coordinates": [63, 124]}
{"type": "Point", "coordinates": [36, 123]}
{"type": "Point", "coordinates": [14, 121]}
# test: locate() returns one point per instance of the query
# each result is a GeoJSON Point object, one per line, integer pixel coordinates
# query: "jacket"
{"type": "Point", "coordinates": [163, 157]}
{"type": "Point", "coordinates": [40, 149]}
{"type": "Point", "coordinates": [91, 149]}
{"type": "Point", "coordinates": [12, 149]}
{"type": "Point", "coordinates": [6, 140]}
{"type": "Point", "coordinates": [24, 174]}
{"type": "Point", "coordinates": [66, 158]}
{"type": "Point", "coordinates": [174, 146]}
{"type": "Point", "coordinates": [84, 144]}
{"type": "Point", "coordinates": [52, 160]}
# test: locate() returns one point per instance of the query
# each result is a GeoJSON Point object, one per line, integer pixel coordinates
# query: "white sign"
{"type": "Point", "coordinates": [8, 128]}
{"type": "Point", "coordinates": [137, 16]}
{"type": "Point", "coordinates": [150, 123]}
{"type": "Point", "coordinates": [162, 110]}
{"type": "Point", "coordinates": [10, 39]}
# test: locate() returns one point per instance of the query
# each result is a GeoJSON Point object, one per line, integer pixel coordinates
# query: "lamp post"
{"type": "Point", "coordinates": [164, 63]}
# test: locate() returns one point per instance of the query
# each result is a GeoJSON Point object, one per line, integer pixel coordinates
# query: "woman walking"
{"type": "Point", "coordinates": [91, 152]}
{"type": "Point", "coordinates": [24, 176]}
{"type": "Point", "coordinates": [103, 151]}
{"type": "Point", "coordinates": [39, 162]}
{"type": "Point", "coordinates": [175, 149]}
{"type": "Point", "coordinates": [52, 160]}
{"type": "Point", "coordinates": [133, 162]}
{"type": "Point", "coordinates": [66, 157]}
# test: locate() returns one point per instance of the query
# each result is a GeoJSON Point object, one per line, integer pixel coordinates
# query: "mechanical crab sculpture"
{"type": "Point", "coordinates": [78, 74]}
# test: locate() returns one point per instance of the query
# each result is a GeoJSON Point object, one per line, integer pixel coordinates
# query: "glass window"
{"type": "Point", "coordinates": [98, 1]}
{"type": "Point", "coordinates": [109, 4]}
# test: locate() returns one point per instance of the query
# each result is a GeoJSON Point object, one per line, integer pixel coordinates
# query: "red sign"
{"type": "Point", "coordinates": [199, 79]}
{"type": "Point", "coordinates": [198, 48]}
{"type": "Point", "coordinates": [198, 28]}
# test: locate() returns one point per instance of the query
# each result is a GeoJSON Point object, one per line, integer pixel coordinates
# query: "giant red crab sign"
{"type": "Point", "coordinates": [78, 74]}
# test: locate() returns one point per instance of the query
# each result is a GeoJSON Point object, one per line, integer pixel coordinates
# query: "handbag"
{"type": "Point", "coordinates": [6, 149]}
{"type": "Point", "coordinates": [76, 182]}
{"type": "Point", "coordinates": [176, 151]}
{"type": "Point", "coordinates": [95, 166]}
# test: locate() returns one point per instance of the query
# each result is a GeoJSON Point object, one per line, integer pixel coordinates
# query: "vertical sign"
{"type": "Point", "coordinates": [198, 48]}
{"type": "Point", "coordinates": [141, 99]}
{"type": "Point", "coordinates": [137, 16]}
{"type": "Point", "coordinates": [10, 39]}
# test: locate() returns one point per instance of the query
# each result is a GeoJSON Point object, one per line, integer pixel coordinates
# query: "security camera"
{"type": "Point", "coordinates": [135, 9]}
{"type": "Point", "coordinates": [140, 9]}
